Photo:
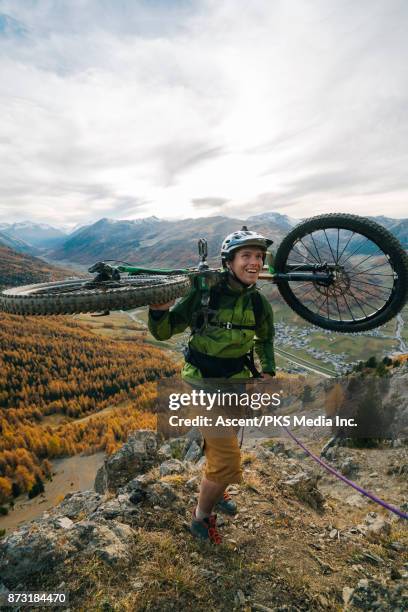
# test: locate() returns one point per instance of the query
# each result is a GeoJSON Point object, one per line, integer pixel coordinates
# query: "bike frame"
{"type": "Point", "coordinates": [319, 273]}
{"type": "Point", "coordinates": [323, 274]}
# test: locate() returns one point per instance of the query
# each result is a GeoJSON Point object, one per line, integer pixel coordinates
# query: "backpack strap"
{"type": "Point", "coordinates": [210, 303]}
{"type": "Point", "coordinates": [257, 307]}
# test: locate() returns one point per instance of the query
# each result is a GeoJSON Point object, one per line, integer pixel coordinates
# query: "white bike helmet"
{"type": "Point", "coordinates": [239, 239]}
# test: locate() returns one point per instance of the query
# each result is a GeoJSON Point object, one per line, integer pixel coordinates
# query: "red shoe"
{"type": "Point", "coordinates": [205, 529]}
{"type": "Point", "coordinates": [226, 505]}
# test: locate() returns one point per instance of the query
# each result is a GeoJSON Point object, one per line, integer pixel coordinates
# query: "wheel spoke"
{"type": "Point", "coordinates": [308, 291]}
{"type": "Point", "coordinates": [356, 251]}
{"type": "Point", "coordinates": [338, 307]}
{"type": "Point", "coordinates": [377, 266]}
{"type": "Point", "coordinates": [367, 292]}
{"type": "Point", "coordinates": [315, 301]}
{"type": "Point", "coordinates": [317, 251]}
{"type": "Point", "coordinates": [356, 300]}
{"type": "Point", "coordinates": [322, 304]}
{"type": "Point", "coordinates": [301, 285]}
{"type": "Point", "coordinates": [299, 264]}
{"type": "Point", "coordinates": [304, 256]}
{"type": "Point", "coordinates": [373, 274]}
{"type": "Point", "coordinates": [364, 302]}
{"type": "Point", "coordinates": [375, 285]}
{"type": "Point", "coordinates": [338, 240]}
{"type": "Point", "coordinates": [345, 247]}
{"type": "Point", "coordinates": [366, 259]}
{"type": "Point", "coordinates": [379, 287]}
{"type": "Point", "coordinates": [347, 304]}
{"type": "Point", "coordinates": [331, 250]}
{"type": "Point", "coordinates": [309, 251]}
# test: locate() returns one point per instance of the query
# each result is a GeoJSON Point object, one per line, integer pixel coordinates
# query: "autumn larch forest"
{"type": "Point", "coordinates": [53, 373]}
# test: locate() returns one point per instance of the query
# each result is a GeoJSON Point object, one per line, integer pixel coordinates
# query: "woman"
{"type": "Point", "coordinates": [225, 330]}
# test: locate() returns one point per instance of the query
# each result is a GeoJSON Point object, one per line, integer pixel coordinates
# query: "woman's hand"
{"type": "Point", "coordinates": [162, 306]}
{"type": "Point", "coordinates": [268, 375]}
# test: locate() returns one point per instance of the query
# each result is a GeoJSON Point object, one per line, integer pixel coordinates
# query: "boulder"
{"type": "Point", "coordinates": [33, 549]}
{"type": "Point", "coordinates": [262, 453]}
{"type": "Point", "coordinates": [161, 494]}
{"type": "Point", "coordinates": [165, 452]}
{"type": "Point", "coordinates": [138, 455]}
{"type": "Point", "coordinates": [79, 504]}
{"type": "Point", "coordinates": [155, 493]}
{"type": "Point", "coordinates": [304, 486]}
{"type": "Point", "coordinates": [195, 435]}
{"type": "Point", "coordinates": [43, 545]}
{"type": "Point", "coordinates": [178, 447]}
{"type": "Point", "coordinates": [120, 508]}
{"type": "Point", "coordinates": [348, 466]}
{"type": "Point", "coordinates": [378, 526]}
{"type": "Point", "coordinates": [194, 452]}
{"type": "Point", "coordinates": [172, 466]}
{"type": "Point", "coordinates": [65, 522]}
{"type": "Point", "coordinates": [111, 541]}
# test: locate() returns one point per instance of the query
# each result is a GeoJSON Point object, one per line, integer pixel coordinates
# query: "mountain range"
{"type": "Point", "coordinates": [153, 241]}
{"type": "Point", "coordinates": [34, 235]}
{"type": "Point", "coordinates": [150, 241]}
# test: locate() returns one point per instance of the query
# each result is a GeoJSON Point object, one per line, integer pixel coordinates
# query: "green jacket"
{"type": "Point", "coordinates": [235, 307]}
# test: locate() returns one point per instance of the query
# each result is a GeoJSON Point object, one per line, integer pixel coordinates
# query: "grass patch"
{"type": "Point", "coordinates": [176, 480]}
{"type": "Point", "coordinates": [247, 458]}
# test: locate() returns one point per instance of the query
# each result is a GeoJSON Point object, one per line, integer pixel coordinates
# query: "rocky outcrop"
{"type": "Point", "coordinates": [137, 456]}
{"type": "Point", "coordinates": [141, 452]}
{"type": "Point", "coordinates": [100, 522]}
{"type": "Point", "coordinates": [42, 546]}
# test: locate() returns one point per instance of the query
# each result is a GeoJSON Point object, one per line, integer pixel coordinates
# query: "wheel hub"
{"type": "Point", "coordinates": [339, 284]}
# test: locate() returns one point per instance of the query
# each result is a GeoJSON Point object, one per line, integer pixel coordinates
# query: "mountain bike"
{"type": "Point", "coordinates": [340, 272]}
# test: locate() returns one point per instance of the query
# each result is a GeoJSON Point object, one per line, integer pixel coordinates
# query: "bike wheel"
{"type": "Point", "coordinates": [79, 295]}
{"type": "Point", "coordinates": [370, 271]}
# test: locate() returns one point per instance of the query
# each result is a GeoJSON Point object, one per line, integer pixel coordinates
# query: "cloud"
{"type": "Point", "coordinates": [11, 27]}
{"type": "Point", "coordinates": [135, 107]}
{"type": "Point", "coordinates": [213, 204]}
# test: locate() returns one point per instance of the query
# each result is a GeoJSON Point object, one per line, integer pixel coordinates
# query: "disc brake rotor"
{"type": "Point", "coordinates": [338, 287]}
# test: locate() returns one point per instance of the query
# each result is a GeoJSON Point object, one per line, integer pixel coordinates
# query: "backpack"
{"type": "Point", "coordinates": [213, 367]}
{"type": "Point", "coordinates": [203, 317]}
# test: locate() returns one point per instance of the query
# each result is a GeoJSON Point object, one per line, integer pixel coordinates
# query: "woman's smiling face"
{"type": "Point", "coordinates": [247, 264]}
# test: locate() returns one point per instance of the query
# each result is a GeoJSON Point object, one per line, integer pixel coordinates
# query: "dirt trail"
{"type": "Point", "coordinates": [72, 474]}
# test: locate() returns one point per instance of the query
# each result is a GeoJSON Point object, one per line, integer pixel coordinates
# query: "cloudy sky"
{"type": "Point", "coordinates": [131, 108]}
